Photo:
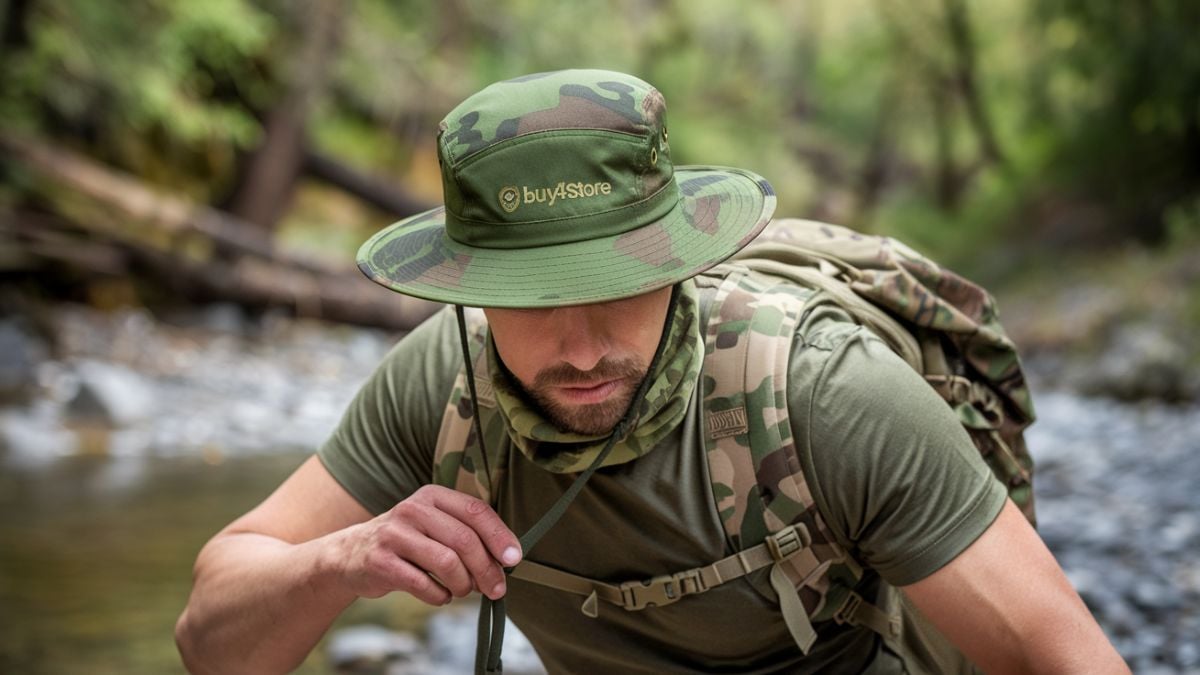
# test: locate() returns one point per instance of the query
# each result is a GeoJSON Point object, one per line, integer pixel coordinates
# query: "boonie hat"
{"type": "Point", "coordinates": [559, 190]}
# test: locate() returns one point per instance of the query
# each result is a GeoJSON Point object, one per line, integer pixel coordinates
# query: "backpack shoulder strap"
{"type": "Point", "coordinates": [458, 460]}
{"type": "Point", "coordinates": [745, 421]}
{"type": "Point", "coordinates": [757, 481]}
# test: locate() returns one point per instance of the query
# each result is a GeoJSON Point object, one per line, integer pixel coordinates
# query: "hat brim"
{"type": "Point", "coordinates": [720, 211]}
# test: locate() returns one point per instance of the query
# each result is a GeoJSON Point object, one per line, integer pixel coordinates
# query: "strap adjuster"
{"type": "Point", "coordinates": [661, 590]}
{"type": "Point", "coordinates": [788, 542]}
{"type": "Point", "coordinates": [847, 612]}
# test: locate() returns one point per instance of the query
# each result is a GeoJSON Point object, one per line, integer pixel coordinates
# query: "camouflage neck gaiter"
{"type": "Point", "coordinates": [658, 413]}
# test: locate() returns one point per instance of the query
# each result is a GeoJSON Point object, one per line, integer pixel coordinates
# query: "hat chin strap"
{"type": "Point", "coordinates": [490, 637]}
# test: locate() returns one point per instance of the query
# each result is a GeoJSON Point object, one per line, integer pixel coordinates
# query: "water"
{"type": "Point", "coordinates": [97, 556]}
{"type": "Point", "coordinates": [96, 551]}
{"type": "Point", "coordinates": [96, 559]}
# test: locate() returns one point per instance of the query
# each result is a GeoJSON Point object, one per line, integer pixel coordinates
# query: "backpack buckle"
{"type": "Point", "coordinates": [661, 590]}
{"type": "Point", "coordinates": [788, 541]}
{"type": "Point", "coordinates": [849, 609]}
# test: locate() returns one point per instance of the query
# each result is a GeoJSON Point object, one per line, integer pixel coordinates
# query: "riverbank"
{"type": "Point", "coordinates": [135, 437]}
{"type": "Point", "coordinates": [211, 383]}
{"type": "Point", "coordinates": [1122, 324]}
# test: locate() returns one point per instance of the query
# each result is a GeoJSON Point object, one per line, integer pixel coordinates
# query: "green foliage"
{"type": "Point", "coordinates": [1124, 99]}
{"type": "Point", "coordinates": [946, 121]}
{"type": "Point", "coordinates": [1183, 225]}
{"type": "Point", "coordinates": [147, 83]}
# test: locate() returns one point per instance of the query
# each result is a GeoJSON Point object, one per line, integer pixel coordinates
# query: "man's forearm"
{"type": "Point", "coordinates": [259, 604]}
{"type": "Point", "coordinates": [1006, 603]}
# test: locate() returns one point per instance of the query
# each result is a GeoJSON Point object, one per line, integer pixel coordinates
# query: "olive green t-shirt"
{"type": "Point", "coordinates": [892, 471]}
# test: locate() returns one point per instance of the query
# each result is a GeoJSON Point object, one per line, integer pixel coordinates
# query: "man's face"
{"type": "Point", "coordinates": [581, 364]}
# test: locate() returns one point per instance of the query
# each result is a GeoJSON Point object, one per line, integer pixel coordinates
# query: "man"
{"type": "Point", "coordinates": [566, 221]}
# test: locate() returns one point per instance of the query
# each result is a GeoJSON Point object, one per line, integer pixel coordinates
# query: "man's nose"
{"type": "Point", "coordinates": [583, 343]}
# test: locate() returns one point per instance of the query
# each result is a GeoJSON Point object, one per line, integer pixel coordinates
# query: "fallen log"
{"type": "Point", "coordinates": [375, 192]}
{"type": "Point", "coordinates": [161, 231]}
{"type": "Point", "coordinates": [30, 240]}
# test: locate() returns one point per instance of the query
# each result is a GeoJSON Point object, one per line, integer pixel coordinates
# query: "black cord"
{"type": "Point", "coordinates": [491, 612]}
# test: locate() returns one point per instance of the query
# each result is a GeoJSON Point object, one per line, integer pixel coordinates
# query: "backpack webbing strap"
{"type": "Point", "coordinates": [858, 612]}
{"type": "Point", "coordinates": [795, 617]}
{"type": "Point", "coordinates": [790, 543]}
{"type": "Point", "coordinates": [458, 460]}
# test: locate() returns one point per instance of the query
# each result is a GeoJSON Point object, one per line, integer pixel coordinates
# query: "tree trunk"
{"type": "Point", "coordinates": [948, 186]}
{"type": "Point", "coordinates": [16, 26]}
{"type": "Point", "coordinates": [962, 40]}
{"type": "Point", "coordinates": [873, 176]}
{"type": "Point", "coordinates": [269, 174]}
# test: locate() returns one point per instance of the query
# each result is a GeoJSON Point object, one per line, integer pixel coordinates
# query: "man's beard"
{"type": "Point", "coordinates": [592, 419]}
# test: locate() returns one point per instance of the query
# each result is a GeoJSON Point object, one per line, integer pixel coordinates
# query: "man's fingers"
{"type": "Point", "coordinates": [429, 554]}
{"type": "Point", "coordinates": [455, 537]}
{"type": "Point", "coordinates": [411, 579]}
{"type": "Point", "coordinates": [500, 541]}
{"type": "Point", "coordinates": [460, 537]}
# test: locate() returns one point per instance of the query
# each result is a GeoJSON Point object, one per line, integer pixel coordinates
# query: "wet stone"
{"type": "Point", "coordinates": [367, 648]}
{"type": "Point", "coordinates": [110, 395]}
{"type": "Point", "coordinates": [1188, 655]}
{"type": "Point", "coordinates": [20, 353]}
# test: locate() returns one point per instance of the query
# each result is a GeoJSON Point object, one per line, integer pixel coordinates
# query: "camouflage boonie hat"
{"type": "Point", "coordinates": [559, 190]}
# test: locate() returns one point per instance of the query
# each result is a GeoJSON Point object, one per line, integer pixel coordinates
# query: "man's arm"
{"type": "Point", "coordinates": [1007, 605]}
{"type": "Point", "coordinates": [267, 587]}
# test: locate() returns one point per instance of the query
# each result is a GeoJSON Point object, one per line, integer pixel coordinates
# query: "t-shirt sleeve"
{"type": "Point", "coordinates": [892, 471]}
{"type": "Point", "coordinates": [382, 449]}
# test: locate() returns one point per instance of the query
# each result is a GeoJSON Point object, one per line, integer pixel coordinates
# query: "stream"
{"type": "Point", "coordinates": [140, 437]}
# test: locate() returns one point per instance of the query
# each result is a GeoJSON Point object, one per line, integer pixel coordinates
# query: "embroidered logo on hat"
{"type": "Point", "coordinates": [510, 198]}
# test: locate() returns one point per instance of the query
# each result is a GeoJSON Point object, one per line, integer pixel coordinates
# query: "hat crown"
{"type": "Point", "coordinates": [555, 158]}
{"type": "Point", "coordinates": [559, 100]}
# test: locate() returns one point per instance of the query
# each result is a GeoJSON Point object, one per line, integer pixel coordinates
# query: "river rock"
{"type": "Point", "coordinates": [109, 395]}
{"type": "Point", "coordinates": [224, 317]}
{"type": "Point", "coordinates": [1116, 502]}
{"type": "Point", "coordinates": [1142, 361]}
{"type": "Point", "coordinates": [32, 439]}
{"type": "Point", "coordinates": [20, 352]}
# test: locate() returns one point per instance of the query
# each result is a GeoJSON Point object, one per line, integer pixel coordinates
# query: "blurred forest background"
{"type": "Point", "coordinates": [227, 157]}
{"type": "Point", "coordinates": [996, 136]}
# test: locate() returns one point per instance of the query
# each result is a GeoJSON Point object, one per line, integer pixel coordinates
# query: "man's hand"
{"type": "Point", "coordinates": [436, 544]}
{"type": "Point", "coordinates": [269, 585]}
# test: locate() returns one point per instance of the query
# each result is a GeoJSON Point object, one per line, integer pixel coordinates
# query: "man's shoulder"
{"type": "Point", "coordinates": [829, 355]}
{"type": "Point", "coordinates": [419, 370]}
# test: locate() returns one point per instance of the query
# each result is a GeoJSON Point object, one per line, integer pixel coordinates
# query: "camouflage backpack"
{"type": "Point", "coordinates": [943, 326]}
